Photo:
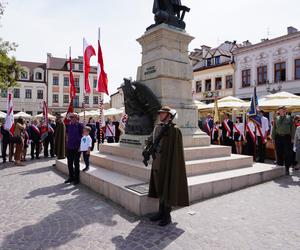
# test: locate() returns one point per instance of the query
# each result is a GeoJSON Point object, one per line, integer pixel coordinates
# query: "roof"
{"type": "Point", "coordinates": [266, 42]}
{"type": "Point", "coordinates": [61, 64]}
{"type": "Point", "coordinates": [32, 66]}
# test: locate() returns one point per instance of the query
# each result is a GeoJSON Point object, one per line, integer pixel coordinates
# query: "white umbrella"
{"type": "Point", "coordinates": [41, 116]}
{"type": "Point", "coordinates": [65, 113]}
{"type": "Point", "coordinates": [279, 99]}
{"type": "Point", "coordinates": [22, 114]}
{"type": "Point", "coordinates": [113, 111]}
{"type": "Point", "coordinates": [200, 105]}
{"type": "Point", "coordinates": [228, 102]}
{"type": "Point", "coordinates": [2, 115]}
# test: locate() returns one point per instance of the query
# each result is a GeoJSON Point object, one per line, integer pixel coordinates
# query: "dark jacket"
{"type": "Point", "coordinates": [34, 133]}
{"type": "Point", "coordinates": [6, 136]}
{"type": "Point", "coordinates": [224, 131]}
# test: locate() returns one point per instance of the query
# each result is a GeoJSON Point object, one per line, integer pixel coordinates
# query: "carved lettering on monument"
{"type": "Point", "coordinates": [150, 70]}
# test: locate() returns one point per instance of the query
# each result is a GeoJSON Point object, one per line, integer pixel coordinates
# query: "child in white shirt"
{"type": "Point", "coordinates": [85, 147]}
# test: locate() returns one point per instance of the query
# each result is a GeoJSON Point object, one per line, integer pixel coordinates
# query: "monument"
{"type": "Point", "coordinates": [118, 172]}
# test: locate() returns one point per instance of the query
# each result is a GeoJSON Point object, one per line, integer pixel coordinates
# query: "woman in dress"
{"type": "Point", "coordinates": [238, 129]}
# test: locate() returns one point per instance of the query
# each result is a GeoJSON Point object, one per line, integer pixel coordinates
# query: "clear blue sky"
{"type": "Point", "coordinates": [41, 26]}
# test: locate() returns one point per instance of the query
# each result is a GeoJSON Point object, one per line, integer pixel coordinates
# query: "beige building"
{"type": "Point", "coordinates": [31, 90]}
{"type": "Point", "coordinates": [58, 85]}
{"type": "Point", "coordinates": [117, 99]}
{"type": "Point", "coordinates": [272, 65]}
{"type": "Point", "coordinates": [213, 71]}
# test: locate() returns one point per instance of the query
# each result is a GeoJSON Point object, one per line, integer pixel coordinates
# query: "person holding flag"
{"type": "Point", "coordinates": [9, 127]}
{"type": "Point", "coordinates": [262, 136]}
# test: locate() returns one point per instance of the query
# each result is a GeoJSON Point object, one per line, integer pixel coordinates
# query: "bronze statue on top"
{"type": "Point", "coordinates": [171, 12]}
{"type": "Point", "coordinates": [141, 106]}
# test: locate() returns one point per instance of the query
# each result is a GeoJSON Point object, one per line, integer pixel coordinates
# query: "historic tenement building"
{"type": "Point", "coordinates": [213, 71]}
{"type": "Point", "coordinates": [271, 65]}
{"type": "Point", "coordinates": [58, 85]}
{"type": "Point", "coordinates": [31, 90]}
{"type": "Point", "coordinates": [117, 99]}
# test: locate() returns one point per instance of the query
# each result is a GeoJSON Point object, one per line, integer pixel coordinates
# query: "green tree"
{"type": "Point", "coordinates": [9, 69]}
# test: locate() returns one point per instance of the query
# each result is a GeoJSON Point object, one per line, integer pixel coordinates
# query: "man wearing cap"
{"type": "Point", "coordinates": [168, 180]}
{"type": "Point", "coordinates": [281, 135]}
{"type": "Point", "coordinates": [74, 133]}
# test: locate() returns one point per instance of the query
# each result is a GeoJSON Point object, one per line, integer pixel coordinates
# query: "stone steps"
{"type": "Point", "coordinates": [137, 169]}
{"type": "Point", "coordinates": [113, 185]}
{"type": "Point", "coordinates": [190, 153]}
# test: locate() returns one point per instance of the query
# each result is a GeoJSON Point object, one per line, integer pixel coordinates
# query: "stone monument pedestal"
{"type": "Point", "coordinates": [117, 172]}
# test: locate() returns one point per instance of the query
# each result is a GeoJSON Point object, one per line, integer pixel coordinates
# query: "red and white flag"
{"type": "Point", "coordinates": [101, 74]}
{"type": "Point", "coordinates": [88, 52]}
{"type": "Point", "coordinates": [72, 82]}
{"type": "Point", "coordinates": [9, 120]}
{"type": "Point", "coordinates": [44, 127]}
{"type": "Point", "coordinates": [70, 110]}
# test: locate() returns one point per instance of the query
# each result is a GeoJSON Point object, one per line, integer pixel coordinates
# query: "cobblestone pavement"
{"type": "Point", "coordinates": [38, 211]}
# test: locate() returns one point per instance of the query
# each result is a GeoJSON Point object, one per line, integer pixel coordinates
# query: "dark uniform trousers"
{"type": "Point", "coordinates": [49, 141]}
{"type": "Point", "coordinates": [261, 150]}
{"type": "Point", "coordinates": [35, 146]}
{"type": "Point", "coordinates": [73, 160]}
{"type": "Point", "coordinates": [283, 150]}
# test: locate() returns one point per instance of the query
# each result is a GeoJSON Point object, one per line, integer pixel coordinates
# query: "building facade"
{"type": "Point", "coordinates": [31, 89]}
{"type": "Point", "coordinates": [213, 72]}
{"type": "Point", "coordinates": [271, 65]}
{"type": "Point", "coordinates": [117, 99]}
{"type": "Point", "coordinates": [58, 82]}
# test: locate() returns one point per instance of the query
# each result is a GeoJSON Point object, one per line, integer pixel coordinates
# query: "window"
{"type": "Point", "coordinates": [38, 76]}
{"type": "Point", "coordinates": [95, 83]}
{"type": "Point", "coordinates": [4, 93]}
{"type": "Point", "coordinates": [95, 100]}
{"type": "Point", "coordinates": [66, 98]}
{"type": "Point", "coordinates": [76, 101]}
{"type": "Point", "coordinates": [297, 69]}
{"type": "Point", "coordinates": [55, 80]}
{"type": "Point", "coordinates": [86, 99]}
{"type": "Point", "coordinates": [76, 82]}
{"type": "Point", "coordinates": [198, 86]}
{"type": "Point", "coordinates": [208, 62]}
{"type": "Point", "coordinates": [74, 66]}
{"type": "Point", "coordinates": [40, 94]}
{"type": "Point", "coordinates": [218, 83]}
{"type": "Point", "coordinates": [80, 66]}
{"type": "Point", "coordinates": [229, 82]}
{"type": "Point", "coordinates": [16, 93]}
{"type": "Point", "coordinates": [280, 74]}
{"type": "Point", "coordinates": [217, 60]}
{"type": "Point", "coordinates": [66, 81]}
{"type": "Point", "coordinates": [208, 85]}
{"type": "Point", "coordinates": [262, 75]}
{"type": "Point", "coordinates": [24, 75]}
{"type": "Point", "coordinates": [246, 78]}
{"type": "Point", "coordinates": [55, 98]}
{"type": "Point", "coordinates": [28, 94]}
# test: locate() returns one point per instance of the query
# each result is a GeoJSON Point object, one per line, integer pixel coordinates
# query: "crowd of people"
{"type": "Point", "coordinates": [53, 143]}
{"type": "Point", "coordinates": [251, 137]}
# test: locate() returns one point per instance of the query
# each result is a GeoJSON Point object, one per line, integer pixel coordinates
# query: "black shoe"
{"type": "Point", "coordinates": [68, 181]}
{"type": "Point", "coordinates": [38, 158]}
{"type": "Point", "coordinates": [287, 173]}
{"type": "Point", "coordinates": [32, 158]}
{"type": "Point", "coordinates": [76, 183]}
{"type": "Point", "coordinates": [165, 221]}
{"type": "Point", "coordinates": [86, 169]}
{"type": "Point", "coordinates": [4, 162]}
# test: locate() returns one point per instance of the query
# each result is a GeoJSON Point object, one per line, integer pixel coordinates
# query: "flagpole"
{"type": "Point", "coordinates": [100, 96]}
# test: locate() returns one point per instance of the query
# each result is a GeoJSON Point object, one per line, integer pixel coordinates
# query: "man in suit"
{"type": "Point", "coordinates": [6, 139]}
{"type": "Point", "coordinates": [49, 140]}
{"type": "Point", "coordinates": [35, 137]}
{"type": "Point", "coordinates": [227, 132]}
{"type": "Point", "coordinates": [208, 125]}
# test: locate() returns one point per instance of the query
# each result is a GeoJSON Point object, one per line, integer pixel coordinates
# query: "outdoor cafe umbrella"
{"type": "Point", "coordinates": [273, 101]}
{"type": "Point", "coordinates": [41, 116]}
{"type": "Point", "coordinates": [2, 115]}
{"type": "Point", "coordinates": [228, 102]}
{"type": "Point", "coordinates": [22, 114]}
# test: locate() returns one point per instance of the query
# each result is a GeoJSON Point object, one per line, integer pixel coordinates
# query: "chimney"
{"type": "Point", "coordinates": [291, 30]}
{"type": "Point", "coordinates": [49, 55]}
{"type": "Point", "coordinates": [246, 43]}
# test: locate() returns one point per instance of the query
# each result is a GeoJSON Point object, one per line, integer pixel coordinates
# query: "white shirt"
{"type": "Point", "coordinates": [240, 126]}
{"type": "Point", "coordinates": [264, 126]}
{"type": "Point", "coordinates": [85, 143]}
{"type": "Point", "coordinates": [110, 130]}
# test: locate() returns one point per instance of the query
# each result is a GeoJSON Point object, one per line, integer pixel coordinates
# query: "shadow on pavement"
{"type": "Point", "coordinates": [61, 226]}
{"type": "Point", "coordinates": [148, 235]}
{"type": "Point", "coordinates": [288, 181]}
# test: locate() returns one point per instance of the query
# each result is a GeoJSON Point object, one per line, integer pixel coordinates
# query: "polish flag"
{"type": "Point", "coordinates": [101, 75]}
{"type": "Point", "coordinates": [72, 83]}
{"type": "Point", "coordinates": [9, 120]}
{"type": "Point", "coordinates": [69, 111]}
{"type": "Point", "coordinates": [88, 52]}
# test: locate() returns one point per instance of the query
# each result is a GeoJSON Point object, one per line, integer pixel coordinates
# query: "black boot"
{"type": "Point", "coordinates": [158, 216]}
{"type": "Point", "coordinates": [166, 220]}
{"type": "Point", "coordinates": [69, 180]}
